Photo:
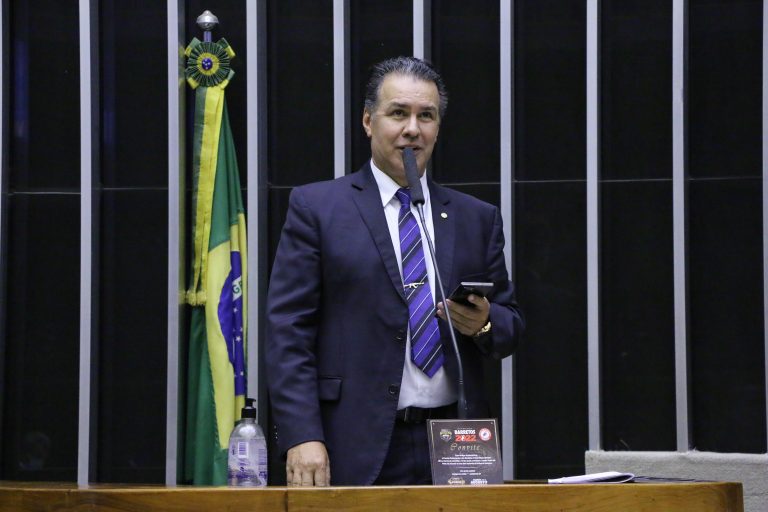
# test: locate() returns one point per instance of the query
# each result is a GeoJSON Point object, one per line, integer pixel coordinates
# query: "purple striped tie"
{"type": "Point", "coordinates": [426, 350]}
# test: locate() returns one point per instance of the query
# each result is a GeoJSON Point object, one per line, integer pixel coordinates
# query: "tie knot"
{"type": "Point", "coordinates": [404, 195]}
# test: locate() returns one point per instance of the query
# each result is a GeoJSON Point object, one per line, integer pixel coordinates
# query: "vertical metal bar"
{"type": "Point", "coordinates": [593, 222]}
{"type": "Point", "coordinates": [422, 29]}
{"type": "Point", "coordinates": [84, 454]}
{"type": "Point", "coordinates": [176, 207]}
{"type": "Point", "coordinates": [256, 177]}
{"type": "Point", "coordinates": [679, 223]}
{"type": "Point", "coordinates": [252, 179]}
{"type": "Point", "coordinates": [506, 129]}
{"type": "Point", "coordinates": [765, 199]}
{"type": "Point", "coordinates": [341, 144]}
{"type": "Point", "coordinates": [418, 28]}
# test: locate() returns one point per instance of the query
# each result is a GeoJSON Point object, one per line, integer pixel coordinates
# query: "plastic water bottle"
{"type": "Point", "coordinates": [247, 459]}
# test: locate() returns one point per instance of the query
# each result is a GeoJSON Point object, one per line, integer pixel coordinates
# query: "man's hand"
{"type": "Point", "coordinates": [467, 320]}
{"type": "Point", "coordinates": [307, 465]}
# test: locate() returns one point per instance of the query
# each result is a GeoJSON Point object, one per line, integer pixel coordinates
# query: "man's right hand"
{"type": "Point", "coordinates": [307, 465]}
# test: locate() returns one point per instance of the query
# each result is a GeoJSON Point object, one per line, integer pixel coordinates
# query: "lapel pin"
{"type": "Point", "coordinates": [444, 215]}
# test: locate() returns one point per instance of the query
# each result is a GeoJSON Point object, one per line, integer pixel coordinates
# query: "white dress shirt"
{"type": "Point", "coordinates": [416, 389]}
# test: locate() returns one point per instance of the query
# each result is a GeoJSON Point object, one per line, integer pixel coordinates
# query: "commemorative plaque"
{"type": "Point", "coordinates": [465, 452]}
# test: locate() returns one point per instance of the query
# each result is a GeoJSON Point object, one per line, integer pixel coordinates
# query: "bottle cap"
{"type": "Point", "coordinates": [249, 411]}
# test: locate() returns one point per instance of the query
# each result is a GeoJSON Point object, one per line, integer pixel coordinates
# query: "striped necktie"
{"type": "Point", "coordinates": [426, 349]}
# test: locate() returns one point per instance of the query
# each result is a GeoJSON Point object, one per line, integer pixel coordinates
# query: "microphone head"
{"type": "Point", "coordinates": [412, 175]}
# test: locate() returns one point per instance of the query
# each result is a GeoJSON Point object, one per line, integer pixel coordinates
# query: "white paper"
{"type": "Point", "coordinates": [607, 477]}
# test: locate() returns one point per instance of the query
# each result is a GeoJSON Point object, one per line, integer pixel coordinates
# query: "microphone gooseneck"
{"type": "Point", "coordinates": [417, 199]}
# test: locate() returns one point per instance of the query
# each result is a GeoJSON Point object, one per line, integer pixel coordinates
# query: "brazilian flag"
{"type": "Point", "coordinates": [217, 293]}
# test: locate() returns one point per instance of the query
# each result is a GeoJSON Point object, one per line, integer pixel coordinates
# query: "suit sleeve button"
{"type": "Point", "coordinates": [394, 389]}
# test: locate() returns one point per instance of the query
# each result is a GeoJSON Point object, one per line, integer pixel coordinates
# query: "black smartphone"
{"type": "Point", "coordinates": [465, 288]}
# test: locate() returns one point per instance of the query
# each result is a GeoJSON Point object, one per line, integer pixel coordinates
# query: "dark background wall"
{"type": "Point", "coordinates": [39, 317]}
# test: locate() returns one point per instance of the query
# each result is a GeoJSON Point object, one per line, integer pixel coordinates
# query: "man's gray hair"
{"type": "Point", "coordinates": [407, 66]}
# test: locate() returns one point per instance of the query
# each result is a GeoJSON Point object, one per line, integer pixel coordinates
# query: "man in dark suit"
{"type": "Point", "coordinates": [358, 354]}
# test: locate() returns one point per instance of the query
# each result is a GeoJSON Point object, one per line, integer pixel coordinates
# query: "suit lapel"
{"type": "Point", "coordinates": [444, 223]}
{"type": "Point", "coordinates": [368, 202]}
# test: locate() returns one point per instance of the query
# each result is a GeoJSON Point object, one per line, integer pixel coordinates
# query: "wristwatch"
{"type": "Point", "coordinates": [485, 330]}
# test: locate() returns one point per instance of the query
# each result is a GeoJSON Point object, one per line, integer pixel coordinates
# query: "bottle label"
{"type": "Point", "coordinates": [242, 449]}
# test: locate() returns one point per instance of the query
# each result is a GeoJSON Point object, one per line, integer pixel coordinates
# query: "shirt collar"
{"type": "Point", "coordinates": [388, 187]}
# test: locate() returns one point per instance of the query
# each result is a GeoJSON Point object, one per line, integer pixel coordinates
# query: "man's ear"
{"type": "Point", "coordinates": [367, 122]}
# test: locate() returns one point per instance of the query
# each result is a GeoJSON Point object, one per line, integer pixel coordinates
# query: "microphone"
{"type": "Point", "coordinates": [417, 199]}
{"type": "Point", "coordinates": [412, 175]}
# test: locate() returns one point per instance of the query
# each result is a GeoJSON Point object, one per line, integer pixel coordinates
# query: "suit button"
{"type": "Point", "coordinates": [394, 389]}
{"type": "Point", "coordinates": [400, 336]}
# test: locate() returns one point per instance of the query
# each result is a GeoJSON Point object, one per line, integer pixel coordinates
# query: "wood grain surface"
{"type": "Point", "coordinates": [633, 497]}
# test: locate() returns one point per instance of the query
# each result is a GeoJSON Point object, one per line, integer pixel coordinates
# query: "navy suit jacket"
{"type": "Point", "coordinates": [337, 316]}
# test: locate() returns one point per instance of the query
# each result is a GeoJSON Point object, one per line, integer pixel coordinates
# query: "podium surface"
{"type": "Point", "coordinates": [512, 497]}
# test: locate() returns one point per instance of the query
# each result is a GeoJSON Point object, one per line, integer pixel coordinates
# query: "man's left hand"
{"type": "Point", "coordinates": [468, 320]}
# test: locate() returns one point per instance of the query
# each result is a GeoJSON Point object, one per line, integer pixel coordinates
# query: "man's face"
{"type": "Point", "coordinates": [407, 115]}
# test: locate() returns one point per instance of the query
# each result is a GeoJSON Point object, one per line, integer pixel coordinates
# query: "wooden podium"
{"type": "Point", "coordinates": [512, 497]}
